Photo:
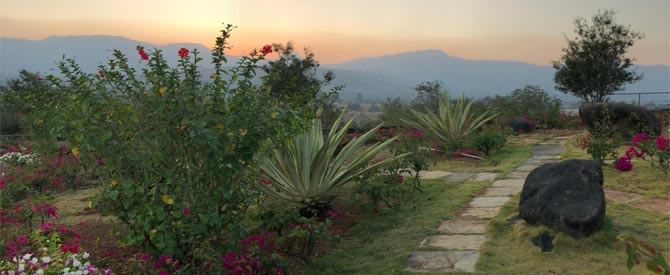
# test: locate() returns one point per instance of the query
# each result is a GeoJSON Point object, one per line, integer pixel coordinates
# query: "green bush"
{"type": "Point", "coordinates": [174, 154]}
{"type": "Point", "coordinates": [489, 140]}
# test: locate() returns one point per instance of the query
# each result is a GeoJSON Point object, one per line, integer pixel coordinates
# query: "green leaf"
{"type": "Point", "coordinates": [651, 265]}
{"type": "Point", "coordinates": [114, 194]}
{"type": "Point", "coordinates": [204, 219]}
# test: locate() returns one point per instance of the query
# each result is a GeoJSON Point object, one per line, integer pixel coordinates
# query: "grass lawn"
{"type": "Point", "coordinates": [509, 249]}
{"type": "Point", "coordinates": [381, 244]}
{"type": "Point", "coordinates": [643, 179]}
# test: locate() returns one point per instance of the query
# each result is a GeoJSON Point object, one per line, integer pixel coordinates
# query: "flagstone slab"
{"type": "Point", "coordinates": [621, 196]}
{"type": "Point", "coordinates": [489, 201]}
{"type": "Point", "coordinates": [525, 168]}
{"type": "Point", "coordinates": [517, 175]}
{"type": "Point", "coordinates": [509, 183]}
{"type": "Point", "coordinates": [459, 176]}
{"type": "Point", "coordinates": [433, 174]}
{"type": "Point", "coordinates": [463, 226]}
{"type": "Point", "coordinates": [442, 261]}
{"type": "Point", "coordinates": [501, 191]}
{"type": "Point", "coordinates": [454, 242]}
{"type": "Point", "coordinates": [545, 157]}
{"type": "Point", "coordinates": [480, 212]}
{"type": "Point", "coordinates": [545, 150]}
{"type": "Point", "coordinates": [485, 177]}
{"type": "Point", "coordinates": [539, 162]}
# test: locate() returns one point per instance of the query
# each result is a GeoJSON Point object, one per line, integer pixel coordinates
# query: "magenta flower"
{"type": "Point", "coordinates": [23, 240]}
{"type": "Point", "coordinates": [400, 179]}
{"type": "Point", "coordinates": [264, 181]}
{"type": "Point", "coordinates": [662, 143]}
{"type": "Point", "coordinates": [638, 137]}
{"type": "Point", "coordinates": [623, 164]}
{"type": "Point", "coordinates": [186, 211]}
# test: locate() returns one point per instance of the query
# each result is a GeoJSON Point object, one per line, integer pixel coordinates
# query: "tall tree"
{"type": "Point", "coordinates": [594, 65]}
{"type": "Point", "coordinates": [428, 95]}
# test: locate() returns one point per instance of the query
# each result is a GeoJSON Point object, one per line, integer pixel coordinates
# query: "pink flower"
{"type": "Point", "coordinates": [638, 137]}
{"type": "Point", "coordinates": [39, 78]}
{"type": "Point", "coordinates": [264, 181]}
{"type": "Point", "coordinates": [2, 183]}
{"type": "Point", "coordinates": [392, 132]}
{"type": "Point", "coordinates": [146, 257]}
{"type": "Point", "coordinates": [22, 239]}
{"type": "Point", "coordinates": [101, 162]}
{"type": "Point", "coordinates": [186, 211]}
{"type": "Point", "coordinates": [418, 133]}
{"type": "Point", "coordinates": [183, 52]}
{"type": "Point", "coordinates": [101, 73]}
{"type": "Point", "coordinates": [400, 179]}
{"type": "Point", "coordinates": [623, 164]}
{"type": "Point", "coordinates": [632, 150]}
{"type": "Point", "coordinates": [662, 143]}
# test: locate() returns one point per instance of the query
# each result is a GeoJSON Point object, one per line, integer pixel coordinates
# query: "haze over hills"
{"type": "Point", "coordinates": [373, 77]}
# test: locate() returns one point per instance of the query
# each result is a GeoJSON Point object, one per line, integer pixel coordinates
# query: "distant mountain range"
{"type": "Point", "coordinates": [373, 77]}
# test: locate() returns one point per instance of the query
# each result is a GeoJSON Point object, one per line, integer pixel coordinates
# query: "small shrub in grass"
{"type": "Point", "coordinates": [656, 150]}
{"type": "Point", "coordinates": [638, 251]}
{"type": "Point", "coordinates": [488, 140]}
{"type": "Point", "coordinates": [381, 187]}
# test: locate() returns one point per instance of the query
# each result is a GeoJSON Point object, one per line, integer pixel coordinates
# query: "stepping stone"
{"type": "Point", "coordinates": [517, 175]}
{"type": "Point", "coordinates": [525, 168]}
{"type": "Point", "coordinates": [463, 226]}
{"type": "Point", "coordinates": [442, 261]}
{"type": "Point", "coordinates": [480, 212]}
{"type": "Point", "coordinates": [509, 183]}
{"type": "Point", "coordinates": [501, 191]}
{"type": "Point", "coordinates": [543, 150]}
{"type": "Point", "coordinates": [433, 174]}
{"type": "Point", "coordinates": [454, 242]}
{"type": "Point", "coordinates": [538, 162]}
{"type": "Point", "coordinates": [545, 157]}
{"type": "Point", "coordinates": [485, 177]}
{"type": "Point", "coordinates": [459, 176]}
{"type": "Point", "coordinates": [621, 196]}
{"type": "Point", "coordinates": [489, 201]}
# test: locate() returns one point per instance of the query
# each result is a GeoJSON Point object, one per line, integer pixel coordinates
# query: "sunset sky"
{"type": "Point", "coordinates": [339, 30]}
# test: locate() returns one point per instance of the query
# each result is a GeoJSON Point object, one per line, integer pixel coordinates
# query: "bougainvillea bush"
{"type": "Point", "coordinates": [656, 150]}
{"type": "Point", "coordinates": [174, 152]}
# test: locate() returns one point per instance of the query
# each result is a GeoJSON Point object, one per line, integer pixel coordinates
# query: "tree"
{"type": "Point", "coordinates": [294, 82]}
{"type": "Point", "coordinates": [428, 95]}
{"type": "Point", "coordinates": [594, 65]}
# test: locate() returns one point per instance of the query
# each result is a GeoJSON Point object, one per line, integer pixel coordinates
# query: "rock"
{"type": "Point", "coordinates": [629, 119]}
{"type": "Point", "coordinates": [566, 196]}
{"type": "Point", "coordinates": [520, 125]}
{"type": "Point", "coordinates": [544, 241]}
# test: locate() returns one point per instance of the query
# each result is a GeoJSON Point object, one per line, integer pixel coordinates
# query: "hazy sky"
{"type": "Point", "coordinates": [339, 30]}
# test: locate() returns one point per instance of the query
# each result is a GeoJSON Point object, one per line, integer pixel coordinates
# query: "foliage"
{"type": "Point", "coordinates": [428, 95]}
{"type": "Point", "coordinates": [303, 235]}
{"type": "Point", "coordinates": [603, 139]}
{"type": "Point", "coordinates": [293, 81]}
{"type": "Point", "coordinates": [414, 143]}
{"type": "Point", "coordinates": [637, 249]}
{"type": "Point", "coordinates": [11, 105]}
{"type": "Point", "coordinates": [307, 169]}
{"type": "Point", "coordinates": [657, 151]}
{"type": "Point", "coordinates": [594, 65]}
{"type": "Point", "coordinates": [531, 101]}
{"type": "Point", "coordinates": [453, 124]}
{"type": "Point", "coordinates": [173, 152]}
{"type": "Point", "coordinates": [392, 111]}
{"type": "Point", "coordinates": [488, 140]}
{"type": "Point", "coordinates": [379, 187]}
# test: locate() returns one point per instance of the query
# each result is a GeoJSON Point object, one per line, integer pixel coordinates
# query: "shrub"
{"type": "Point", "coordinates": [307, 170]}
{"type": "Point", "coordinates": [452, 125]}
{"type": "Point", "coordinates": [177, 150]}
{"type": "Point", "coordinates": [488, 140]}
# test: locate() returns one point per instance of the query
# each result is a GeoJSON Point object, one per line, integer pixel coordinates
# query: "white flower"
{"type": "Point", "coordinates": [46, 259]}
{"type": "Point", "coordinates": [27, 256]}
{"type": "Point", "coordinates": [85, 255]}
{"type": "Point", "coordinates": [33, 261]}
{"type": "Point", "coordinates": [22, 267]}
{"type": "Point", "coordinates": [76, 263]}
{"type": "Point", "coordinates": [39, 272]}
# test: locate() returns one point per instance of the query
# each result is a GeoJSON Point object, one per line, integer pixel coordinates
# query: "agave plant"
{"type": "Point", "coordinates": [308, 168]}
{"type": "Point", "coordinates": [452, 124]}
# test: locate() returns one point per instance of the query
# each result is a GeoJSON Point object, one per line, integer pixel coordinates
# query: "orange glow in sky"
{"type": "Point", "coordinates": [518, 30]}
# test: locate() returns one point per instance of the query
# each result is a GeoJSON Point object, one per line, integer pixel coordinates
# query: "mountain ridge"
{"type": "Point", "coordinates": [376, 77]}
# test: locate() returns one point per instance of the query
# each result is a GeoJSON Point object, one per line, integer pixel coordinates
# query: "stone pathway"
{"type": "Point", "coordinates": [457, 248]}
{"type": "Point", "coordinates": [658, 205]}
